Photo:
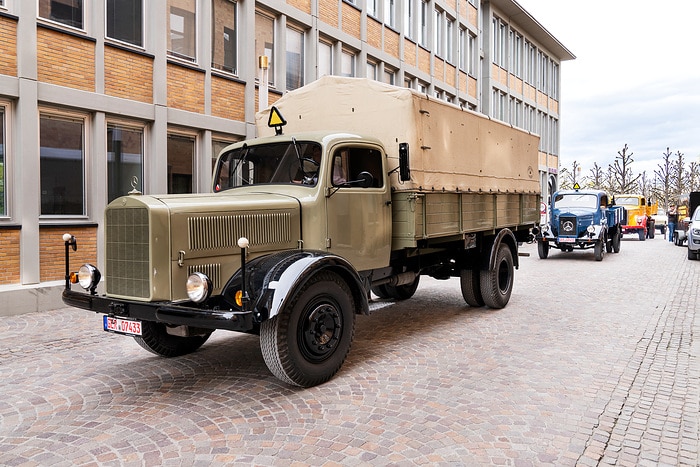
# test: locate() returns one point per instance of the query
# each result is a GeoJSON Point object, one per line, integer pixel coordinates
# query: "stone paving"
{"type": "Point", "coordinates": [591, 363]}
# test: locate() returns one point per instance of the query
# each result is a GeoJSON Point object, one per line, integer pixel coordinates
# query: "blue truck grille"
{"type": "Point", "coordinates": [567, 225]}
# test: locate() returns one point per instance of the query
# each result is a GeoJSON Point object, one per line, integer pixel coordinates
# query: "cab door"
{"type": "Point", "coordinates": [358, 206]}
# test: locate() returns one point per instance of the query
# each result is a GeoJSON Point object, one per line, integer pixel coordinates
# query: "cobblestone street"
{"type": "Point", "coordinates": [591, 363]}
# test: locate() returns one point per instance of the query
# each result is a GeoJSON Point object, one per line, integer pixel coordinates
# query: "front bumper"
{"type": "Point", "coordinates": [164, 312]}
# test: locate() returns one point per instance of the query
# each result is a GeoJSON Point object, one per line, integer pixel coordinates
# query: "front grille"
{"type": "Point", "coordinates": [567, 225]}
{"type": "Point", "coordinates": [127, 232]}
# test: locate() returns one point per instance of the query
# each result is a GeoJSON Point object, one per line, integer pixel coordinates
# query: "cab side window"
{"type": "Point", "coordinates": [350, 162]}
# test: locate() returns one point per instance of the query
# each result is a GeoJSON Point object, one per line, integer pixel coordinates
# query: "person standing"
{"type": "Point", "coordinates": [672, 221]}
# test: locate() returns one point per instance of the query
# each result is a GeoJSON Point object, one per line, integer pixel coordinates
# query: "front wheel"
{"type": "Point", "coordinates": [155, 339]}
{"type": "Point", "coordinates": [308, 341]}
{"type": "Point", "coordinates": [642, 235]}
{"type": "Point", "coordinates": [497, 283]}
{"type": "Point", "coordinates": [543, 249]}
{"type": "Point", "coordinates": [693, 254]}
{"type": "Point", "coordinates": [599, 250]}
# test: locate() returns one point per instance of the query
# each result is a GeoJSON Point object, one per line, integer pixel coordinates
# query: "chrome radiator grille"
{"type": "Point", "coordinates": [223, 231]}
{"type": "Point", "coordinates": [127, 254]}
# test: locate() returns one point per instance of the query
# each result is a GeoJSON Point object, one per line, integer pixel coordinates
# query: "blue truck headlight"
{"type": "Point", "coordinates": [590, 229]}
{"type": "Point", "coordinates": [198, 287]}
{"type": "Point", "coordinates": [88, 276]}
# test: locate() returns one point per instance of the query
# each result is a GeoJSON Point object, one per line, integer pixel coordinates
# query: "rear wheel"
{"type": "Point", "coordinates": [616, 241]}
{"type": "Point", "coordinates": [497, 283]}
{"type": "Point", "coordinates": [471, 287]}
{"type": "Point", "coordinates": [543, 249]}
{"type": "Point", "coordinates": [308, 341]}
{"type": "Point", "coordinates": [642, 235]}
{"type": "Point", "coordinates": [156, 339]}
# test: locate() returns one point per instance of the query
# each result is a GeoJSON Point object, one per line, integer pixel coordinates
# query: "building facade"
{"type": "Point", "coordinates": [104, 96]}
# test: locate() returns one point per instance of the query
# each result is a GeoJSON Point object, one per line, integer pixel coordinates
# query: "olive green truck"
{"type": "Point", "coordinates": [352, 187]}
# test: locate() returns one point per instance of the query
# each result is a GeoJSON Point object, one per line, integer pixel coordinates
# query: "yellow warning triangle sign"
{"type": "Point", "coordinates": [276, 119]}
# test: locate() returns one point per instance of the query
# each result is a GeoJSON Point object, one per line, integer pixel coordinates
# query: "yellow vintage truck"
{"type": "Point", "coordinates": [638, 218]}
{"type": "Point", "coordinates": [352, 187]}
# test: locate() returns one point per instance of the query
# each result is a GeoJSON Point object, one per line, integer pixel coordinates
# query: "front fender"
{"type": "Point", "coordinates": [271, 280]}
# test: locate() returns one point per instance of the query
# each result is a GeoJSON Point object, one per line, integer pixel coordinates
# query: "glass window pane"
{"type": "Point", "coordinates": [181, 151]}
{"type": "Point", "coordinates": [68, 12]}
{"type": "Point", "coordinates": [325, 59]}
{"type": "Point", "coordinates": [182, 26]}
{"type": "Point", "coordinates": [125, 21]}
{"type": "Point", "coordinates": [224, 43]}
{"type": "Point", "coordinates": [3, 210]}
{"type": "Point", "coordinates": [62, 156]}
{"type": "Point", "coordinates": [124, 160]}
{"type": "Point", "coordinates": [265, 42]}
{"type": "Point", "coordinates": [295, 59]}
{"type": "Point", "coordinates": [347, 64]}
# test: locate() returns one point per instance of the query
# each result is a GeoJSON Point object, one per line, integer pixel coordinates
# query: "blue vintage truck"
{"type": "Point", "coordinates": [584, 219]}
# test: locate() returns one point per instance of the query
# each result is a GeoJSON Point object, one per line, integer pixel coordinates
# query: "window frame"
{"type": "Point", "coordinates": [129, 126]}
{"type": "Point", "coordinates": [222, 67]}
{"type": "Point", "coordinates": [329, 44]}
{"type": "Point", "coordinates": [122, 41]}
{"type": "Point", "coordinates": [195, 136]}
{"type": "Point", "coordinates": [83, 119]}
{"type": "Point", "coordinates": [83, 8]}
{"type": "Point", "coordinates": [271, 59]}
{"type": "Point", "coordinates": [302, 56]}
{"type": "Point", "coordinates": [179, 55]}
{"type": "Point", "coordinates": [352, 55]}
{"type": "Point", "coordinates": [4, 155]}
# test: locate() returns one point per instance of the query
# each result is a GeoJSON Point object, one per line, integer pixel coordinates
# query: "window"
{"type": "Point", "coordinates": [224, 41]}
{"type": "Point", "coordinates": [295, 59]}
{"type": "Point", "coordinates": [124, 160]}
{"type": "Point", "coordinates": [408, 19]}
{"type": "Point", "coordinates": [350, 162]}
{"type": "Point", "coordinates": [389, 76]}
{"type": "Point", "coordinates": [467, 51]}
{"type": "Point", "coordinates": [347, 64]}
{"type": "Point", "coordinates": [424, 11]}
{"type": "Point", "coordinates": [3, 145]}
{"type": "Point", "coordinates": [449, 40]}
{"type": "Point", "coordinates": [516, 54]}
{"type": "Point", "coordinates": [182, 23]}
{"type": "Point", "coordinates": [555, 81]}
{"type": "Point", "coordinates": [499, 104]}
{"type": "Point", "coordinates": [68, 12]}
{"type": "Point", "coordinates": [500, 42]}
{"type": "Point", "coordinates": [372, 8]}
{"type": "Point", "coordinates": [390, 13]}
{"type": "Point", "coordinates": [325, 59]}
{"type": "Point", "coordinates": [372, 70]}
{"type": "Point", "coordinates": [530, 63]}
{"type": "Point", "coordinates": [61, 165]}
{"type": "Point", "coordinates": [543, 68]}
{"type": "Point", "coordinates": [125, 21]}
{"type": "Point", "coordinates": [265, 42]}
{"type": "Point", "coordinates": [438, 34]}
{"type": "Point", "coordinates": [181, 157]}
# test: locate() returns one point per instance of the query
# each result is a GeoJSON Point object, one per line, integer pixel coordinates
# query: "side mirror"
{"type": "Point", "coordinates": [404, 168]}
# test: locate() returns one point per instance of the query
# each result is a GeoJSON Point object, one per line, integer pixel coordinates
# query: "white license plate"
{"type": "Point", "coordinates": [122, 326]}
{"type": "Point", "coordinates": [567, 240]}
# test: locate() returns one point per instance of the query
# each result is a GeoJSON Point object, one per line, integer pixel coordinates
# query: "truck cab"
{"type": "Point", "coordinates": [639, 211]}
{"type": "Point", "coordinates": [582, 219]}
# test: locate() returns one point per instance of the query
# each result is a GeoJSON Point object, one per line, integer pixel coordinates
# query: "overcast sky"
{"type": "Point", "coordinates": [635, 79]}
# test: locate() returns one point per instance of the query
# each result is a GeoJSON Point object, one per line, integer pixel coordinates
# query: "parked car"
{"type": "Point", "coordinates": [694, 235]}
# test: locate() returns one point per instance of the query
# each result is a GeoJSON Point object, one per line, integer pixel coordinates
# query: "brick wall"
{"type": "Point", "coordinates": [9, 256]}
{"type": "Point", "coordinates": [439, 69]}
{"type": "Point", "coordinates": [52, 251]}
{"type": "Point", "coordinates": [450, 75]}
{"type": "Point", "coordinates": [374, 33]}
{"type": "Point", "coordinates": [409, 52]}
{"type": "Point", "coordinates": [185, 88]}
{"type": "Point", "coordinates": [65, 60]}
{"type": "Point", "coordinates": [303, 5]}
{"type": "Point", "coordinates": [128, 75]}
{"type": "Point", "coordinates": [227, 99]}
{"type": "Point", "coordinates": [328, 12]}
{"type": "Point", "coordinates": [8, 46]}
{"type": "Point", "coordinates": [391, 42]}
{"type": "Point", "coordinates": [423, 60]}
{"type": "Point", "coordinates": [351, 20]}
{"type": "Point", "coordinates": [473, 15]}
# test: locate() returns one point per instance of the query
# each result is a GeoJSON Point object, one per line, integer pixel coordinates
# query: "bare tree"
{"type": "Point", "coordinates": [693, 178]}
{"type": "Point", "coordinates": [624, 180]}
{"type": "Point", "coordinates": [663, 175]}
{"type": "Point", "coordinates": [678, 176]}
{"type": "Point", "coordinates": [569, 178]}
{"type": "Point", "coordinates": [597, 177]}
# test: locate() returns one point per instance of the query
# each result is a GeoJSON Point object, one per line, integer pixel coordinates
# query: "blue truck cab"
{"type": "Point", "coordinates": [582, 218]}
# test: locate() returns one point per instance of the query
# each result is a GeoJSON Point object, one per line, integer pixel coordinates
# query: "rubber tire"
{"type": "Point", "coordinates": [398, 292]}
{"type": "Point", "coordinates": [283, 338]}
{"type": "Point", "coordinates": [642, 236]}
{"type": "Point", "coordinates": [616, 241]}
{"type": "Point", "coordinates": [497, 284]}
{"type": "Point", "coordinates": [608, 246]}
{"type": "Point", "coordinates": [599, 250]}
{"type": "Point", "coordinates": [663, 230]}
{"type": "Point", "coordinates": [543, 249]}
{"type": "Point", "coordinates": [155, 339]}
{"type": "Point", "coordinates": [651, 231]}
{"type": "Point", "coordinates": [469, 280]}
{"type": "Point", "coordinates": [692, 254]}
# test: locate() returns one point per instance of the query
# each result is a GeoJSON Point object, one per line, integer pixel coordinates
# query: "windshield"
{"type": "Point", "coordinates": [277, 163]}
{"type": "Point", "coordinates": [575, 200]}
{"type": "Point", "coordinates": [627, 200]}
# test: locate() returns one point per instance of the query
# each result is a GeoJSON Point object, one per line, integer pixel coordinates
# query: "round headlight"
{"type": "Point", "coordinates": [590, 229]}
{"type": "Point", "coordinates": [198, 287]}
{"type": "Point", "coordinates": [88, 276]}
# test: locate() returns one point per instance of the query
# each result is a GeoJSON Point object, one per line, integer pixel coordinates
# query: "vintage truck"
{"type": "Point", "coordinates": [688, 202]}
{"type": "Point", "coordinates": [352, 187]}
{"type": "Point", "coordinates": [639, 212]}
{"type": "Point", "coordinates": [581, 219]}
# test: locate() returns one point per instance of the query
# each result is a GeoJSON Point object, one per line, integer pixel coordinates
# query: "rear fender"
{"type": "Point", "coordinates": [504, 236]}
{"type": "Point", "coordinates": [271, 280]}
